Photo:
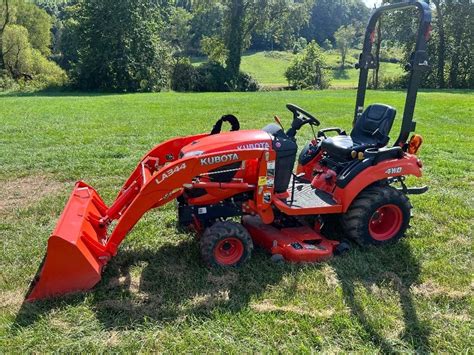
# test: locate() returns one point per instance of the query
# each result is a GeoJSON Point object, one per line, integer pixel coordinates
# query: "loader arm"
{"type": "Point", "coordinates": [83, 241]}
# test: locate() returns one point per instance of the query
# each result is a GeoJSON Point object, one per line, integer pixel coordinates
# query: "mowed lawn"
{"type": "Point", "coordinates": [269, 67]}
{"type": "Point", "coordinates": [156, 295]}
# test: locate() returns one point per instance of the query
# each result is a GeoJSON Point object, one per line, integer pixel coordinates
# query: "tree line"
{"type": "Point", "coordinates": [145, 45]}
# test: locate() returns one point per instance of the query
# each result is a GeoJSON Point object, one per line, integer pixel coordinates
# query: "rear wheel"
{"type": "Point", "coordinates": [379, 215]}
{"type": "Point", "coordinates": [226, 244]}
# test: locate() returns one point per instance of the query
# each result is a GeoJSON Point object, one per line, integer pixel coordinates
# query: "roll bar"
{"type": "Point", "coordinates": [418, 62]}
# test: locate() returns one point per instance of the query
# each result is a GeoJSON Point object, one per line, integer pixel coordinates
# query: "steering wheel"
{"type": "Point", "coordinates": [301, 115]}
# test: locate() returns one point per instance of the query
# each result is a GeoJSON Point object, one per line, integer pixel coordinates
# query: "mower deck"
{"type": "Point", "coordinates": [296, 244]}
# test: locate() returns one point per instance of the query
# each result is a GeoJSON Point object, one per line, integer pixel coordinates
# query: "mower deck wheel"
{"type": "Point", "coordinates": [379, 215]}
{"type": "Point", "coordinates": [226, 244]}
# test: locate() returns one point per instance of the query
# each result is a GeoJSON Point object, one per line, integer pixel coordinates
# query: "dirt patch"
{"type": "Point", "coordinates": [268, 306]}
{"type": "Point", "coordinates": [12, 299]}
{"type": "Point", "coordinates": [330, 276]}
{"type": "Point", "coordinates": [22, 192]}
{"type": "Point", "coordinates": [113, 338]}
{"type": "Point", "coordinates": [395, 281]}
{"type": "Point", "coordinates": [210, 300]}
{"type": "Point", "coordinates": [431, 289]}
{"type": "Point", "coordinates": [223, 281]}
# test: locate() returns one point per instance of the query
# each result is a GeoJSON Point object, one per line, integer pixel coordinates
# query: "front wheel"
{"type": "Point", "coordinates": [379, 215]}
{"type": "Point", "coordinates": [226, 244]}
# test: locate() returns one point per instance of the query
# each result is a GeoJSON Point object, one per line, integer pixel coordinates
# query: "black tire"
{"type": "Point", "coordinates": [221, 234]}
{"type": "Point", "coordinates": [382, 207]}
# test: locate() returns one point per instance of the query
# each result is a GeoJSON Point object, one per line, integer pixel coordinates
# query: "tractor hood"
{"type": "Point", "coordinates": [236, 140]}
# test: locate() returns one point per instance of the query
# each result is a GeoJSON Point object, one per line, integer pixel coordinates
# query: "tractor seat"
{"type": "Point", "coordinates": [370, 131]}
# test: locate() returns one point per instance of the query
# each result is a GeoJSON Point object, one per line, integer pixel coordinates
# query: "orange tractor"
{"type": "Point", "coordinates": [237, 188]}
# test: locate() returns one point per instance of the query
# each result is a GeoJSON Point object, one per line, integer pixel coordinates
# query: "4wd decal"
{"type": "Point", "coordinates": [392, 171]}
{"type": "Point", "coordinates": [259, 145]}
{"type": "Point", "coordinates": [170, 172]}
{"type": "Point", "coordinates": [219, 159]}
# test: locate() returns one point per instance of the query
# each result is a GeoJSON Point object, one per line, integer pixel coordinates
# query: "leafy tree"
{"type": "Point", "coordinates": [329, 15]}
{"type": "Point", "coordinates": [451, 46]}
{"type": "Point", "coordinates": [307, 69]}
{"type": "Point", "coordinates": [16, 50]}
{"type": "Point", "coordinates": [243, 17]}
{"type": "Point", "coordinates": [344, 37]}
{"type": "Point", "coordinates": [38, 23]}
{"type": "Point", "coordinates": [282, 33]}
{"type": "Point", "coordinates": [5, 19]}
{"type": "Point", "coordinates": [24, 43]}
{"type": "Point", "coordinates": [178, 28]}
{"type": "Point", "coordinates": [215, 49]}
{"type": "Point", "coordinates": [119, 46]}
{"type": "Point", "coordinates": [207, 21]}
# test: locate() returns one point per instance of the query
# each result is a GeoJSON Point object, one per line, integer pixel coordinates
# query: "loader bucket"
{"type": "Point", "coordinates": [75, 254]}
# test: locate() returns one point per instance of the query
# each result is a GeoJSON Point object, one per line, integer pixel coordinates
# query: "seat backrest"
{"type": "Point", "coordinates": [374, 126]}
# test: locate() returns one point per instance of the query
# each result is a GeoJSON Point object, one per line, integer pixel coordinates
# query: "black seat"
{"type": "Point", "coordinates": [370, 131]}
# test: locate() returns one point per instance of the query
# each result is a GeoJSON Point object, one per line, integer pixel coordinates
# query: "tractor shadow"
{"type": "Point", "coordinates": [165, 285]}
{"type": "Point", "coordinates": [170, 284]}
{"type": "Point", "coordinates": [173, 284]}
{"type": "Point", "coordinates": [391, 268]}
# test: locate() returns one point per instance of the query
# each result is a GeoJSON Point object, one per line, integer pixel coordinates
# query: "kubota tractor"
{"type": "Point", "coordinates": [237, 189]}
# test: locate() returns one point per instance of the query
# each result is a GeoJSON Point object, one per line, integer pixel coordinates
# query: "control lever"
{"type": "Point", "coordinates": [278, 120]}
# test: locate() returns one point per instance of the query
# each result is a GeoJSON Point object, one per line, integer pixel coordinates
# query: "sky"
{"type": "Point", "coordinates": [370, 3]}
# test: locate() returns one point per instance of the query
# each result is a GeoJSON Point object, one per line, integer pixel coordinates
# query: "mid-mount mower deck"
{"type": "Point", "coordinates": [343, 187]}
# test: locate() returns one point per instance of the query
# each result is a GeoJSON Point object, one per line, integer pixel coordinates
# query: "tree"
{"type": "Point", "coordinates": [344, 37]}
{"type": "Point", "coordinates": [234, 39]}
{"type": "Point", "coordinates": [451, 46]}
{"type": "Point", "coordinates": [38, 23]}
{"type": "Point", "coordinates": [215, 49]}
{"type": "Point", "coordinates": [442, 43]}
{"type": "Point", "coordinates": [24, 42]}
{"type": "Point", "coordinates": [243, 17]}
{"type": "Point", "coordinates": [178, 27]}
{"type": "Point", "coordinates": [207, 21]}
{"type": "Point", "coordinates": [5, 17]}
{"type": "Point", "coordinates": [282, 33]}
{"type": "Point", "coordinates": [120, 46]}
{"type": "Point", "coordinates": [329, 15]}
{"type": "Point", "coordinates": [306, 71]}
{"type": "Point", "coordinates": [16, 50]}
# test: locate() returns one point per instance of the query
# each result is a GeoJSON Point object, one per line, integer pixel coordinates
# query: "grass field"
{"type": "Point", "coordinates": [269, 68]}
{"type": "Point", "coordinates": [157, 296]}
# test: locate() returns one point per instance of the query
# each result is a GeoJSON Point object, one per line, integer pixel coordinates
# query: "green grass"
{"type": "Point", "coordinates": [269, 68]}
{"type": "Point", "coordinates": [156, 295]}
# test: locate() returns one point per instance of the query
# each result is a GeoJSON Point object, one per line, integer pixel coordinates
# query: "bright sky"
{"type": "Point", "coordinates": [370, 3]}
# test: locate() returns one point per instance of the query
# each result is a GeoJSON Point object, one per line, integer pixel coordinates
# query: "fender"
{"type": "Point", "coordinates": [408, 165]}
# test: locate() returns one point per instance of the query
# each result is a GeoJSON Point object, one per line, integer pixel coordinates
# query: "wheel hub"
{"type": "Point", "coordinates": [385, 222]}
{"type": "Point", "coordinates": [229, 251]}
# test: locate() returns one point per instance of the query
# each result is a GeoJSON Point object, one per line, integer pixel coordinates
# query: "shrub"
{"type": "Point", "coordinates": [7, 83]}
{"type": "Point", "coordinates": [398, 82]}
{"type": "Point", "coordinates": [307, 69]}
{"type": "Point", "coordinates": [46, 73]}
{"type": "Point", "coordinates": [183, 76]}
{"type": "Point", "coordinates": [209, 76]}
{"type": "Point", "coordinates": [299, 45]}
{"type": "Point", "coordinates": [245, 82]}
